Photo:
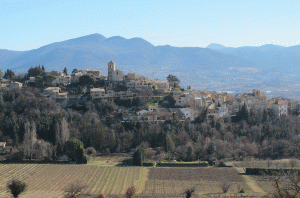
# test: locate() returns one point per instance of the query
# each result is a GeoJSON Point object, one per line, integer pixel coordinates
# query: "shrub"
{"type": "Point", "coordinates": [131, 191]}
{"type": "Point", "coordinates": [74, 190]}
{"type": "Point", "coordinates": [102, 195]}
{"type": "Point", "coordinates": [16, 187]}
{"type": "Point", "coordinates": [225, 185]}
{"type": "Point", "coordinates": [221, 163]}
{"type": "Point", "coordinates": [90, 151]}
{"type": "Point", "coordinates": [240, 188]}
{"type": "Point", "coordinates": [151, 164]}
{"type": "Point", "coordinates": [189, 192]}
{"type": "Point", "coordinates": [183, 164]}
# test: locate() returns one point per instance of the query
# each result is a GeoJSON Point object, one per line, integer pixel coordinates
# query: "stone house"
{"type": "Point", "coordinates": [97, 93]}
{"type": "Point", "coordinates": [91, 72]}
{"type": "Point", "coordinates": [65, 80]}
{"type": "Point", "coordinates": [280, 108]}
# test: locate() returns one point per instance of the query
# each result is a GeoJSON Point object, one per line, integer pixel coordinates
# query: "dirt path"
{"type": "Point", "coordinates": [251, 183]}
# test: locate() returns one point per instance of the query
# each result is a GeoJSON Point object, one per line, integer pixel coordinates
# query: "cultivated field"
{"type": "Point", "coordinates": [174, 181]}
{"type": "Point", "coordinates": [51, 180]}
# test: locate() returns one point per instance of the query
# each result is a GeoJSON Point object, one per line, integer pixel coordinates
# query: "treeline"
{"type": "Point", "coordinates": [99, 125]}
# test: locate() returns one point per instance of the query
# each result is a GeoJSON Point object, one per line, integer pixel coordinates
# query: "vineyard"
{"type": "Point", "coordinates": [174, 181]}
{"type": "Point", "coordinates": [51, 180]}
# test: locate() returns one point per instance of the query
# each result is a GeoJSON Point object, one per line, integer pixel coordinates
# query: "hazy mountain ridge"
{"type": "Point", "coordinates": [213, 67]}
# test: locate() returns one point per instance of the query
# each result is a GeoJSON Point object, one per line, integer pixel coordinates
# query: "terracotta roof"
{"type": "Point", "coordinates": [281, 102]}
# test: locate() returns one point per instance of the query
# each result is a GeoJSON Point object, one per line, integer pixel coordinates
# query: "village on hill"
{"type": "Point", "coordinates": [153, 123]}
{"type": "Point", "coordinates": [142, 99]}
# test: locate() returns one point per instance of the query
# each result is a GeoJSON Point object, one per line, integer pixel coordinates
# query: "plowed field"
{"type": "Point", "coordinates": [51, 180]}
{"type": "Point", "coordinates": [174, 181]}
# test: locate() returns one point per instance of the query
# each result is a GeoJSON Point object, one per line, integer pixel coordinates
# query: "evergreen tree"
{"type": "Point", "coordinates": [65, 71]}
{"type": "Point", "coordinates": [75, 150]}
{"type": "Point", "coordinates": [243, 113]}
{"type": "Point", "coordinates": [62, 134]}
{"type": "Point", "coordinates": [29, 138]}
{"type": "Point", "coordinates": [9, 74]}
{"type": "Point", "coordinates": [74, 71]}
{"type": "Point", "coordinates": [170, 146]}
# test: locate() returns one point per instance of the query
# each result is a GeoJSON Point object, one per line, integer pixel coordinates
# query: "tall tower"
{"type": "Point", "coordinates": [111, 68]}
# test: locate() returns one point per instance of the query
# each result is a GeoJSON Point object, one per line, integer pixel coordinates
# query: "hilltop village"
{"type": "Point", "coordinates": [43, 112]}
{"type": "Point", "coordinates": [141, 99]}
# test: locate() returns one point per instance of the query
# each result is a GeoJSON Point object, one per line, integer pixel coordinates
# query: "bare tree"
{"type": "Point", "coordinates": [189, 192]}
{"type": "Point", "coordinates": [240, 188]}
{"type": "Point", "coordinates": [286, 183]}
{"type": "Point", "coordinates": [74, 190]}
{"type": "Point", "coordinates": [225, 185]}
{"type": "Point", "coordinates": [29, 138]}
{"type": "Point", "coordinates": [62, 133]}
{"type": "Point", "coordinates": [269, 162]}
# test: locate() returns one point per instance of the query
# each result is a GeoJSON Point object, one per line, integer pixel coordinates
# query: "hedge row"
{"type": "Point", "coordinates": [183, 164]}
{"type": "Point", "coordinates": [177, 164]}
{"type": "Point", "coordinates": [260, 171]}
{"type": "Point", "coordinates": [151, 164]}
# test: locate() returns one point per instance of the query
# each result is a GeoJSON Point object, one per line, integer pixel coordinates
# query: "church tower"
{"type": "Point", "coordinates": [111, 69]}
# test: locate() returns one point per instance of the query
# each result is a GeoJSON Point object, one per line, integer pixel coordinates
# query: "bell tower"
{"type": "Point", "coordinates": [111, 68]}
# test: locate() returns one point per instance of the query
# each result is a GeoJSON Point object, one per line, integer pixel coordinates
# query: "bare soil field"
{"type": "Point", "coordinates": [168, 181]}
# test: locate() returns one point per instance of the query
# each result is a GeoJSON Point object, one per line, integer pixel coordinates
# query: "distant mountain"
{"type": "Point", "coordinates": [6, 55]}
{"type": "Point", "coordinates": [215, 46]}
{"type": "Point", "coordinates": [215, 67]}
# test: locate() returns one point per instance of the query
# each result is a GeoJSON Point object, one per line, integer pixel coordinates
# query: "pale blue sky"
{"type": "Point", "coordinates": [26, 25]}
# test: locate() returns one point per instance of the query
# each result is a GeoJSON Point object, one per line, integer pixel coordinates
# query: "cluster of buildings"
{"type": "Point", "coordinates": [187, 103]}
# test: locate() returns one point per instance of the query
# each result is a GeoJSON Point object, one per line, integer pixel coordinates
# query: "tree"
{"type": "Point", "coordinates": [74, 190]}
{"type": "Point", "coordinates": [29, 138]}
{"type": "Point", "coordinates": [65, 71]}
{"type": "Point", "coordinates": [243, 113]}
{"type": "Point", "coordinates": [86, 80]}
{"type": "Point", "coordinates": [286, 183]}
{"type": "Point", "coordinates": [50, 79]}
{"type": "Point", "coordinates": [75, 150]}
{"type": "Point", "coordinates": [43, 68]}
{"type": "Point", "coordinates": [62, 134]}
{"type": "Point", "coordinates": [170, 146]}
{"type": "Point", "coordinates": [189, 192]}
{"type": "Point", "coordinates": [16, 187]}
{"type": "Point", "coordinates": [141, 154]}
{"type": "Point", "coordinates": [9, 74]}
{"type": "Point", "coordinates": [35, 71]}
{"type": "Point", "coordinates": [173, 80]}
{"type": "Point", "coordinates": [131, 191]}
{"type": "Point", "coordinates": [1, 74]}
{"type": "Point", "coordinates": [74, 71]}
{"type": "Point", "coordinates": [39, 80]}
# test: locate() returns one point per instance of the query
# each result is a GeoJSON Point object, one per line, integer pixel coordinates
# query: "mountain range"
{"type": "Point", "coordinates": [216, 67]}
